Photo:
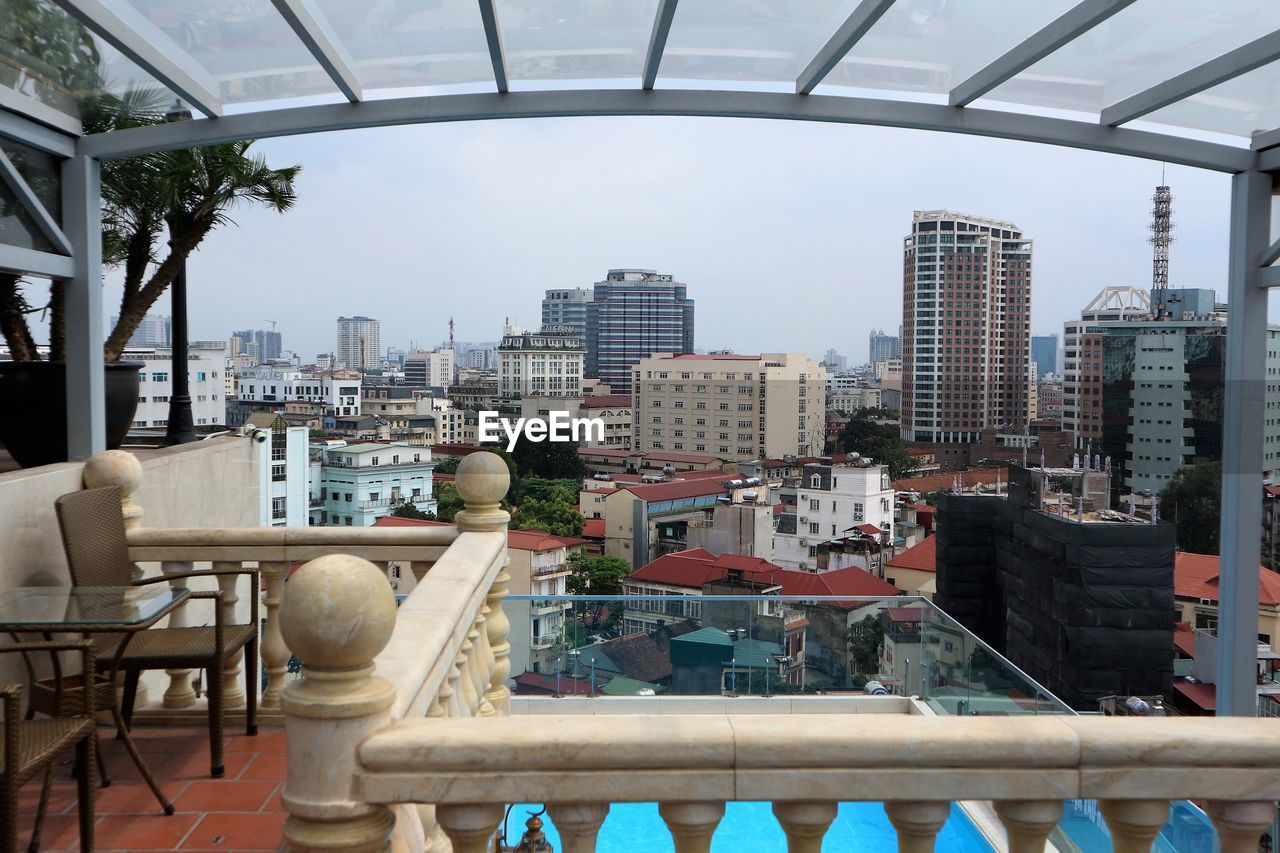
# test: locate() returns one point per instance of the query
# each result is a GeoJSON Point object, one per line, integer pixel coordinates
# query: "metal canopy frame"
{"type": "Point", "coordinates": [1253, 245]}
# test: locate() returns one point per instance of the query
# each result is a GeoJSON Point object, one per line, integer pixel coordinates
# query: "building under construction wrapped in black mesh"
{"type": "Point", "coordinates": [1083, 604]}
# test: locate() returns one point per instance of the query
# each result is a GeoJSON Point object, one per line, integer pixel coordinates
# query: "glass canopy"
{"type": "Point", "coordinates": [1180, 67]}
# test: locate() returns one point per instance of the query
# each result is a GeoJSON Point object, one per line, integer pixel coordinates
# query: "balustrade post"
{"type": "Point", "coordinates": [481, 664]}
{"type": "Point", "coordinates": [482, 482]}
{"type": "Point", "coordinates": [122, 469]}
{"type": "Point", "coordinates": [1134, 824]}
{"type": "Point", "coordinates": [692, 824]}
{"type": "Point", "coordinates": [1028, 823]}
{"type": "Point", "coordinates": [805, 823]}
{"type": "Point", "coordinates": [275, 653]}
{"type": "Point", "coordinates": [917, 822]}
{"type": "Point", "coordinates": [337, 614]}
{"type": "Point", "coordinates": [470, 826]}
{"type": "Point", "coordinates": [578, 824]}
{"type": "Point", "coordinates": [1240, 824]}
{"type": "Point", "coordinates": [232, 690]}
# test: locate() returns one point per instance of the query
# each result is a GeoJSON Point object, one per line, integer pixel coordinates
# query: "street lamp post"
{"type": "Point", "coordinates": [180, 427]}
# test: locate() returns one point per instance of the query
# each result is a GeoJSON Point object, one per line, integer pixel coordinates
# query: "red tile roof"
{"type": "Point", "coordinates": [593, 528]}
{"type": "Point", "coordinates": [607, 451]}
{"type": "Point", "coordinates": [1184, 639]}
{"type": "Point", "coordinates": [936, 482]}
{"type": "Point", "coordinates": [1204, 696]}
{"type": "Point", "coordinates": [523, 540]}
{"type": "Point", "coordinates": [1272, 490]}
{"type": "Point", "coordinates": [604, 401]}
{"type": "Point", "coordinates": [692, 569]}
{"type": "Point", "coordinates": [869, 529]}
{"type": "Point", "coordinates": [1196, 576]}
{"type": "Point", "coordinates": [456, 449]}
{"type": "Point", "coordinates": [675, 489]}
{"type": "Point", "coordinates": [699, 458]}
{"type": "Point", "coordinates": [922, 557]}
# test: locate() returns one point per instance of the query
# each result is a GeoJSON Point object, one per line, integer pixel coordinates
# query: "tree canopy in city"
{"type": "Point", "coordinates": [1193, 500]}
{"type": "Point", "coordinates": [881, 442]}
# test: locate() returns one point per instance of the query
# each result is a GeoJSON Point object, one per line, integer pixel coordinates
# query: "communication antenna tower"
{"type": "Point", "coordinates": [1161, 235]}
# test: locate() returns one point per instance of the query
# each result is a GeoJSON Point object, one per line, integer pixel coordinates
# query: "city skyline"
{"type": "Point", "coordinates": [492, 215]}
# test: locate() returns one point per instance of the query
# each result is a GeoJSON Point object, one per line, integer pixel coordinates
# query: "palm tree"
{"type": "Point", "coordinates": [186, 194]}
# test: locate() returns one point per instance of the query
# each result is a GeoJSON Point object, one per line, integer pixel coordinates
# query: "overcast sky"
{"type": "Point", "coordinates": [788, 234]}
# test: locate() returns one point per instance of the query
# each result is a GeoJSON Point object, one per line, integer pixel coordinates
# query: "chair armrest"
{"type": "Point", "coordinates": [9, 691]}
{"type": "Point", "coordinates": [208, 573]}
{"type": "Point", "coordinates": [87, 671]}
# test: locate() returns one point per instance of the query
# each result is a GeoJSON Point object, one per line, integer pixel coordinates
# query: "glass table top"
{"type": "Point", "coordinates": [86, 606]}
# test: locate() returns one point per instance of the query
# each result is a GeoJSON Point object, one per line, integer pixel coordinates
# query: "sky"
{"type": "Point", "coordinates": [788, 234]}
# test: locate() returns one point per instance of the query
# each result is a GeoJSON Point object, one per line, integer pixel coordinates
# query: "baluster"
{"type": "Point", "coordinates": [917, 822]}
{"type": "Point", "coordinates": [1134, 824]}
{"type": "Point", "coordinates": [692, 824]}
{"type": "Point", "coordinates": [1028, 823]}
{"type": "Point", "coordinates": [481, 663]}
{"type": "Point", "coordinates": [431, 831]}
{"type": "Point", "coordinates": [578, 824]}
{"type": "Point", "coordinates": [180, 693]}
{"type": "Point", "coordinates": [470, 826]}
{"type": "Point", "coordinates": [275, 654]}
{"type": "Point", "coordinates": [1240, 824]}
{"type": "Point", "coordinates": [453, 694]}
{"type": "Point", "coordinates": [467, 684]}
{"type": "Point", "coordinates": [805, 823]}
{"type": "Point", "coordinates": [499, 628]}
{"type": "Point", "coordinates": [418, 568]}
{"type": "Point", "coordinates": [337, 613]}
{"type": "Point", "coordinates": [232, 691]}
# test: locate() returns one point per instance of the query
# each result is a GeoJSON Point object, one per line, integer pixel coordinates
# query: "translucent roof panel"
{"type": "Point", "coordinates": [932, 45]}
{"type": "Point", "coordinates": [765, 40]}
{"type": "Point", "coordinates": [1249, 103]}
{"type": "Point", "coordinates": [411, 43]}
{"type": "Point", "coordinates": [575, 39]}
{"type": "Point", "coordinates": [245, 45]}
{"type": "Point", "coordinates": [1145, 44]}
{"type": "Point", "coordinates": [47, 55]}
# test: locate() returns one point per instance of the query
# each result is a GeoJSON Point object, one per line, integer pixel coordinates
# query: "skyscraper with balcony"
{"type": "Point", "coordinates": [966, 312]}
{"type": "Point", "coordinates": [635, 314]}
{"type": "Point", "coordinates": [359, 343]}
{"type": "Point", "coordinates": [566, 308]}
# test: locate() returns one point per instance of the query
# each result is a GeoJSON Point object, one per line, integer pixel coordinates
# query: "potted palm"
{"type": "Point", "coordinates": [181, 196]}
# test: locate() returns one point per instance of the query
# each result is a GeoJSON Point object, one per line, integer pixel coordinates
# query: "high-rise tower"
{"type": "Point", "coordinates": [635, 314]}
{"type": "Point", "coordinates": [966, 312]}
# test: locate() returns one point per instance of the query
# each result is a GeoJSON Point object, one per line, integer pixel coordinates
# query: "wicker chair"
{"type": "Point", "coordinates": [31, 746]}
{"type": "Point", "coordinates": [93, 537]}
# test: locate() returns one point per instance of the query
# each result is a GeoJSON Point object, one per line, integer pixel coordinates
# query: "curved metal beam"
{"type": "Point", "coordinates": [669, 102]}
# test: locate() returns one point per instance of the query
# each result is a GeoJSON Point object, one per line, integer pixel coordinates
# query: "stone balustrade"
{"type": "Point", "coordinates": [399, 739]}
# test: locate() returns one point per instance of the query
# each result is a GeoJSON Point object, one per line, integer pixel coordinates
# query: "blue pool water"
{"type": "Point", "coordinates": [752, 828]}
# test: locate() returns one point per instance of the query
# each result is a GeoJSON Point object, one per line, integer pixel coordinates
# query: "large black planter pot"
{"type": "Point", "coordinates": [33, 416]}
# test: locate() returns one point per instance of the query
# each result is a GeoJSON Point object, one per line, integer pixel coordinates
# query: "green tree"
{"type": "Point", "coordinates": [596, 575]}
{"type": "Point", "coordinates": [555, 515]}
{"type": "Point", "coordinates": [540, 488]}
{"type": "Point", "coordinates": [554, 460]}
{"type": "Point", "coordinates": [447, 464]}
{"type": "Point", "coordinates": [448, 502]}
{"type": "Point", "coordinates": [1193, 500]}
{"type": "Point", "coordinates": [881, 442]}
{"type": "Point", "coordinates": [865, 639]}
{"type": "Point", "coordinates": [408, 510]}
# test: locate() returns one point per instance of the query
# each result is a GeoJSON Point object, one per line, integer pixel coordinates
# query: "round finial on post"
{"type": "Point", "coordinates": [117, 468]}
{"type": "Point", "coordinates": [482, 482]}
{"type": "Point", "coordinates": [338, 612]}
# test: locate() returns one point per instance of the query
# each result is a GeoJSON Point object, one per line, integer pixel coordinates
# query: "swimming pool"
{"type": "Point", "coordinates": [751, 827]}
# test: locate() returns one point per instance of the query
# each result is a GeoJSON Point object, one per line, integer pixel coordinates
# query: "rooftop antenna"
{"type": "Point", "coordinates": [451, 346]}
{"type": "Point", "coordinates": [1161, 228]}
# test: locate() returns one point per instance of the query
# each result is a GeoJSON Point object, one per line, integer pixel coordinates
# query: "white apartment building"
{"type": "Point", "coordinates": [206, 377]}
{"type": "Point", "coordinates": [736, 406]}
{"type": "Point", "coordinates": [546, 363]}
{"type": "Point", "coordinates": [359, 483]}
{"type": "Point", "coordinates": [435, 368]}
{"type": "Point", "coordinates": [284, 470]}
{"type": "Point", "coordinates": [833, 502]}
{"type": "Point", "coordinates": [339, 391]}
{"type": "Point", "coordinates": [359, 343]}
{"type": "Point", "coordinates": [854, 399]}
{"type": "Point", "coordinates": [1082, 358]}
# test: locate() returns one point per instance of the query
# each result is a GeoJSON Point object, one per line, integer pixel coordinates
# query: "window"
{"type": "Point", "coordinates": [347, 497]}
{"type": "Point", "coordinates": [857, 512]}
{"type": "Point", "coordinates": [815, 504]}
{"type": "Point", "coordinates": [373, 461]}
{"type": "Point", "coordinates": [813, 527]}
{"type": "Point", "coordinates": [159, 377]}
{"type": "Point", "coordinates": [279, 507]}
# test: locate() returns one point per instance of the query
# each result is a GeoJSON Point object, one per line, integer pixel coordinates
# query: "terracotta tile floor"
{"type": "Point", "coordinates": [241, 811]}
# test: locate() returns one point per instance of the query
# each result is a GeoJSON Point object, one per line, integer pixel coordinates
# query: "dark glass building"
{"type": "Point", "coordinates": [634, 314]}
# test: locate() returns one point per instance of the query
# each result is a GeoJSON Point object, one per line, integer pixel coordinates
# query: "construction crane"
{"type": "Point", "coordinates": [273, 324]}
